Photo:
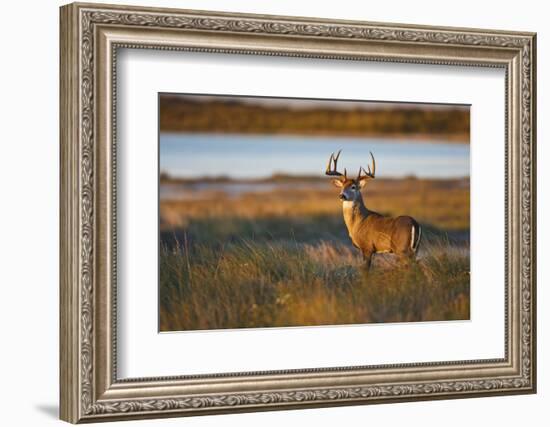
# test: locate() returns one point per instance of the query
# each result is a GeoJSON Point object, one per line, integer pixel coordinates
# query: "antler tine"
{"type": "Point", "coordinates": [335, 160]}
{"type": "Point", "coordinates": [336, 157]}
{"type": "Point", "coordinates": [329, 165]}
{"type": "Point", "coordinates": [361, 169]}
{"type": "Point", "coordinates": [368, 172]}
{"type": "Point", "coordinates": [332, 165]}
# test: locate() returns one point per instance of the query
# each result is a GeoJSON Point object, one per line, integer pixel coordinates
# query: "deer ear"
{"type": "Point", "coordinates": [362, 183]}
{"type": "Point", "coordinates": [337, 183]}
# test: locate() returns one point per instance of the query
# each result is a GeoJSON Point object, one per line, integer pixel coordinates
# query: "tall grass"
{"type": "Point", "coordinates": [248, 284]}
{"type": "Point", "coordinates": [284, 259]}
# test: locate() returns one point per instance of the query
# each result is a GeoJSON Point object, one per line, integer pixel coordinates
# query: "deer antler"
{"type": "Point", "coordinates": [368, 174]}
{"type": "Point", "coordinates": [333, 160]}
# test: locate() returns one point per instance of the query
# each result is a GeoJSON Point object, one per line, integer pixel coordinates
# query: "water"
{"type": "Point", "coordinates": [199, 190]}
{"type": "Point", "coordinates": [260, 156]}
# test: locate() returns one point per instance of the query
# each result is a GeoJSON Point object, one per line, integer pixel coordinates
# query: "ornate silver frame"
{"type": "Point", "coordinates": [90, 36]}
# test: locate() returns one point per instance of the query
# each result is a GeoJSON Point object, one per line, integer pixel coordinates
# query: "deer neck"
{"type": "Point", "coordinates": [354, 213]}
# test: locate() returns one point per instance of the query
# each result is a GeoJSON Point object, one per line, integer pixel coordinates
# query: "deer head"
{"type": "Point", "coordinates": [350, 187]}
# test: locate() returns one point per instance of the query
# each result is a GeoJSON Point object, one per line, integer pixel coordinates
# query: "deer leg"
{"type": "Point", "coordinates": [367, 258]}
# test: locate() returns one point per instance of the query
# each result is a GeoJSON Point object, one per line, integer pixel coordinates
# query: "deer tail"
{"type": "Point", "coordinates": [416, 234]}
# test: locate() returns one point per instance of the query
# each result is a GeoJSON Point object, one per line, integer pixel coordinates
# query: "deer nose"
{"type": "Point", "coordinates": [342, 196]}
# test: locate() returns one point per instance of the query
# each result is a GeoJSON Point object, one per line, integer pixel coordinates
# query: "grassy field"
{"type": "Point", "coordinates": [283, 258]}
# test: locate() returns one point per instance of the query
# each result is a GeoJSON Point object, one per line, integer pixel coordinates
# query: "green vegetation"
{"type": "Point", "coordinates": [283, 258]}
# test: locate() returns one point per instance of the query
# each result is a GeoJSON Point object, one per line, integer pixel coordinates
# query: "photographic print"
{"type": "Point", "coordinates": [278, 212]}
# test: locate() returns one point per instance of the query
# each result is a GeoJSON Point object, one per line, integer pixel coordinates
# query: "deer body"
{"type": "Point", "coordinates": [369, 231]}
{"type": "Point", "coordinates": [373, 233]}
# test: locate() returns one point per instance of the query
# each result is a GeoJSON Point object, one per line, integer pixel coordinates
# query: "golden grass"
{"type": "Point", "coordinates": [442, 203]}
{"type": "Point", "coordinates": [283, 258]}
{"type": "Point", "coordinates": [248, 284]}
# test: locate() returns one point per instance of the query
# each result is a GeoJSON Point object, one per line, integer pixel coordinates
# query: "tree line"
{"type": "Point", "coordinates": [178, 114]}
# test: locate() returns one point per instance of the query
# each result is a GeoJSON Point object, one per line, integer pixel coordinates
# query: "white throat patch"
{"type": "Point", "coordinates": [348, 204]}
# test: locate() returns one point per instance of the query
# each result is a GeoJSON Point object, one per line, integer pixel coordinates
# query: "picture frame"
{"type": "Point", "coordinates": [91, 36]}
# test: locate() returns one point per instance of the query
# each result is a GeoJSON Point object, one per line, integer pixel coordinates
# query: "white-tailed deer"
{"type": "Point", "coordinates": [369, 231]}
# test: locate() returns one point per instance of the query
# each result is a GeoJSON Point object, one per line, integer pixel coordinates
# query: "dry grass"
{"type": "Point", "coordinates": [283, 258]}
{"type": "Point", "coordinates": [444, 204]}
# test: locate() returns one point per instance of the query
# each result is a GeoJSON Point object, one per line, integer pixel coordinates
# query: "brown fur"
{"type": "Point", "coordinates": [373, 233]}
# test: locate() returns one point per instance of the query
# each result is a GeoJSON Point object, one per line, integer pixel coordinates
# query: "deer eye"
{"type": "Point", "coordinates": [353, 187]}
